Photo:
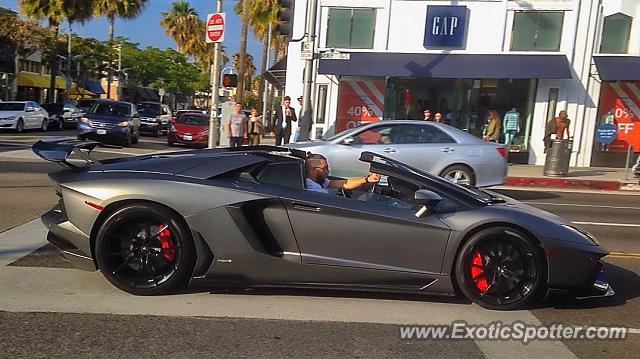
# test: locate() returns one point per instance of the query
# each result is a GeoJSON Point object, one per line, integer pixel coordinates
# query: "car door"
{"type": "Point", "coordinates": [425, 147]}
{"type": "Point", "coordinates": [338, 231]}
{"type": "Point", "coordinates": [344, 159]}
{"type": "Point", "coordinates": [32, 118]}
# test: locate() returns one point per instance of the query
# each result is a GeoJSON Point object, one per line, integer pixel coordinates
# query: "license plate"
{"type": "Point", "coordinates": [187, 138]}
{"type": "Point", "coordinates": [102, 132]}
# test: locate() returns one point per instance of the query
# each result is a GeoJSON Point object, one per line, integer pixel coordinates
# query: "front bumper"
{"type": "Point", "coordinates": [597, 286]}
{"type": "Point", "coordinates": [196, 140]}
{"type": "Point", "coordinates": [99, 134]}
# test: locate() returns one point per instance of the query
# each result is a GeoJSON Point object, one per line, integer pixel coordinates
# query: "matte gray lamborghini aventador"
{"type": "Point", "coordinates": [243, 217]}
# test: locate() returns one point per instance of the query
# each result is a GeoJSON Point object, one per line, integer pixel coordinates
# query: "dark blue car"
{"type": "Point", "coordinates": [111, 121]}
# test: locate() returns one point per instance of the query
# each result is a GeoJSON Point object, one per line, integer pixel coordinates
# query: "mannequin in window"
{"type": "Point", "coordinates": [511, 125]}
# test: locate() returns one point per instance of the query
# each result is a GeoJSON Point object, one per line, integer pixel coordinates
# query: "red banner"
{"type": "Point", "coordinates": [359, 101]}
{"type": "Point", "coordinates": [620, 103]}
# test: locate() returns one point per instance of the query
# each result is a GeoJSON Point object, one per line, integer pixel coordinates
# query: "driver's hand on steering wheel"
{"type": "Point", "coordinates": [373, 178]}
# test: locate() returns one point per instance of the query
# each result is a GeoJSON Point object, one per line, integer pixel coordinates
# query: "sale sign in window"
{"type": "Point", "coordinates": [359, 101]}
{"type": "Point", "coordinates": [620, 105]}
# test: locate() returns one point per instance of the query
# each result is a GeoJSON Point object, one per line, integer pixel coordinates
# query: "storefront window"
{"type": "Point", "coordinates": [619, 105]}
{"type": "Point", "coordinates": [351, 28]}
{"type": "Point", "coordinates": [537, 30]}
{"type": "Point", "coordinates": [466, 103]}
{"type": "Point", "coordinates": [615, 34]}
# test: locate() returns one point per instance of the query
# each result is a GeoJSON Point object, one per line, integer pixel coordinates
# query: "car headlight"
{"type": "Point", "coordinates": [10, 118]}
{"type": "Point", "coordinates": [584, 234]}
{"type": "Point", "coordinates": [123, 123]}
{"type": "Point", "coordinates": [204, 132]}
{"type": "Point", "coordinates": [173, 129]}
{"type": "Point", "coordinates": [84, 120]}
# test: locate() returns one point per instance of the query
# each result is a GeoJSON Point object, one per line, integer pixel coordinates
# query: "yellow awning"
{"type": "Point", "coordinates": [79, 91]}
{"type": "Point", "coordinates": [35, 80]}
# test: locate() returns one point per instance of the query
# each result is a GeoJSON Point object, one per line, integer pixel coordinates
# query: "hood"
{"type": "Point", "coordinates": [106, 118]}
{"type": "Point", "coordinates": [193, 129]}
{"type": "Point", "coordinates": [4, 114]}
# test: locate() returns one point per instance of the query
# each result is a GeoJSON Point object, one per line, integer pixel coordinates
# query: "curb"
{"type": "Point", "coordinates": [563, 183]}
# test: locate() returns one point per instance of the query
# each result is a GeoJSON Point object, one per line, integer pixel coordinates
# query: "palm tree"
{"type": "Point", "coordinates": [249, 68]}
{"type": "Point", "coordinates": [181, 23]}
{"type": "Point", "coordinates": [125, 9]}
{"type": "Point", "coordinates": [55, 11]}
{"type": "Point", "coordinates": [243, 48]}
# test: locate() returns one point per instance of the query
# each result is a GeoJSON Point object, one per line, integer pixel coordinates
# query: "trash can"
{"type": "Point", "coordinates": [558, 156]}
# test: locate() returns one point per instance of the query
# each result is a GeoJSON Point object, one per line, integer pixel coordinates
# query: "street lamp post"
{"type": "Point", "coordinates": [215, 84]}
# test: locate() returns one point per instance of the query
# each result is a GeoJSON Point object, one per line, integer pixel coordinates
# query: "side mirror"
{"type": "Point", "coordinates": [428, 200]}
{"type": "Point", "coordinates": [347, 141]}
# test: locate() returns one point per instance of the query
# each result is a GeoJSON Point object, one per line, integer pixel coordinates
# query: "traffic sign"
{"type": "Point", "coordinates": [306, 53]}
{"type": "Point", "coordinates": [329, 55]}
{"type": "Point", "coordinates": [215, 27]}
{"type": "Point", "coordinates": [606, 133]}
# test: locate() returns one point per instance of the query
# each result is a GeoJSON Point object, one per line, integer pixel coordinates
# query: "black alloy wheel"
{"type": "Point", "coordinates": [20, 126]}
{"type": "Point", "coordinates": [145, 249]}
{"type": "Point", "coordinates": [500, 268]}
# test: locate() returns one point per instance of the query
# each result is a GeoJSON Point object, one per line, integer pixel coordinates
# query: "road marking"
{"type": "Point", "coordinates": [608, 224]}
{"type": "Point", "coordinates": [578, 205]}
{"type": "Point", "coordinates": [624, 255]}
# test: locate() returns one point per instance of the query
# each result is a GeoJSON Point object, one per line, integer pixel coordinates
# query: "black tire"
{"type": "Point", "coordinates": [44, 126]}
{"type": "Point", "coordinates": [156, 132]}
{"type": "Point", "coordinates": [459, 174]}
{"type": "Point", "coordinates": [60, 124]}
{"type": "Point", "coordinates": [500, 268]}
{"type": "Point", "coordinates": [20, 126]}
{"type": "Point", "coordinates": [135, 139]}
{"type": "Point", "coordinates": [81, 138]}
{"type": "Point", "coordinates": [170, 143]}
{"type": "Point", "coordinates": [138, 256]}
{"type": "Point", "coordinates": [126, 141]}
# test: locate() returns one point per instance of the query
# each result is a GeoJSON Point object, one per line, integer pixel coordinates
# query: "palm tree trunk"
{"type": "Point", "coordinates": [54, 63]}
{"type": "Point", "coordinates": [243, 51]}
{"type": "Point", "coordinates": [112, 20]}
{"type": "Point", "coordinates": [265, 52]}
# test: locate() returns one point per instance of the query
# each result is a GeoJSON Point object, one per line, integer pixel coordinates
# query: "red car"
{"type": "Point", "coordinates": [190, 129]}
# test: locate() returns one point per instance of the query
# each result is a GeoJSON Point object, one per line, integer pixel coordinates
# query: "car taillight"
{"type": "Point", "coordinates": [502, 151]}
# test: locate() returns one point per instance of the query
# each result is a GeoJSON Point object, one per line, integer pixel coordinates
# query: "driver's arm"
{"type": "Point", "coordinates": [355, 182]}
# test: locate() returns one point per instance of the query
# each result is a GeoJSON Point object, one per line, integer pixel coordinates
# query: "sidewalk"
{"type": "Point", "coordinates": [601, 178]}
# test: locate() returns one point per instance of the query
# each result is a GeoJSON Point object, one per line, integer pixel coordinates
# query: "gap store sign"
{"type": "Point", "coordinates": [446, 26]}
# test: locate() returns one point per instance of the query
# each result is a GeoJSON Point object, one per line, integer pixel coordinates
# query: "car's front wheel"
{"type": "Point", "coordinates": [44, 125]}
{"type": "Point", "coordinates": [500, 268]}
{"type": "Point", "coordinates": [20, 126]}
{"type": "Point", "coordinates": [145, 249]}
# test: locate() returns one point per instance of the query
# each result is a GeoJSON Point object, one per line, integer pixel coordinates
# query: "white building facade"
{"type": "Point", "coordinates": [466, 58]}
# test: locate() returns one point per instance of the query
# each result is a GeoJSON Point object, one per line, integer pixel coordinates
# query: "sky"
{"type": "Point", "coordinates": [146, 29]}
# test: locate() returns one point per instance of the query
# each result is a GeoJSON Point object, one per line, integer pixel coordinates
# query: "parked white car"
{"type": "Point", "coordinates": [22, 115]}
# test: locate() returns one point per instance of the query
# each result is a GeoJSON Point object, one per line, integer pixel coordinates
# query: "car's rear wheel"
{"type": "Point", "coordinates": [500, 268]}
{"type": "Point", "coordinates": [145, 249]}
{"type": "Point", "coordinates": [459, 174]}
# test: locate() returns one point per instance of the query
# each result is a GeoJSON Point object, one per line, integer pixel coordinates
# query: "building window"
{"type": "Point", "coordinates": [537, 30]}
{"type": "Point", "coordinates": [351, 28]}
{"type": "Point", "coordinates": [615, 34]}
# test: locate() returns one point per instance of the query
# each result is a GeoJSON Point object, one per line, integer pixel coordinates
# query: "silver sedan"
{"type": "Point", "coordinates": [433, 147]}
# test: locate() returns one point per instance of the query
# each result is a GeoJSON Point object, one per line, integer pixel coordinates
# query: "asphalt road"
{"type": "Point", "coordinates": [50, 310]}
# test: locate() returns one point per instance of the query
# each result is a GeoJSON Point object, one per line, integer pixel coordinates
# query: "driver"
{"type": "Point", "coordinates": [318, 169]}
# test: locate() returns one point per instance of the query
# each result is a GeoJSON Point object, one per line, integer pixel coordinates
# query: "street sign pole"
{"type": "Point", "coordinates": [215, 85]}
{"type": "Point", "coordinates": [266, 120]}
{"type": "Point", "coordinates": [312, 7]}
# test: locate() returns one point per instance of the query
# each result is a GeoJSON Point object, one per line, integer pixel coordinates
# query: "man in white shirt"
{"type": "Point", "coordinates": [318, 170]}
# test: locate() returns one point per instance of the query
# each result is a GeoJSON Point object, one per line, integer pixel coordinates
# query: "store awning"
{"type": "Point", "coordinates": [80, 92]}
{"type": "Point", "coordinates": [93, 86]}
{"type": "Point", "coordinates": [451, 66]}
{"type": "Point", "coordinates": [277, 74]}
{"type": "Point", "coordinates": [28, 79]}
{"type": "Point", "coordinates": [612, 68]}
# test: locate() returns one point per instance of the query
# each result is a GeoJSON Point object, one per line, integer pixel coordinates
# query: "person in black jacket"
{"type": "Point", "coordinates": [285, 114]}
{"type": "Point", "coordinates": [304, 125]}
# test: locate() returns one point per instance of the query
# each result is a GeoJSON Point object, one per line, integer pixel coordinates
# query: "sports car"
{"type": "Point", "coordinates": [242, 217]}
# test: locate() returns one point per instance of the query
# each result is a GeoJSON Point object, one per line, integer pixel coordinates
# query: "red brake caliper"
{"type": "Point", "coordinates": [477, 272]}
{"type": "Point", "coordinates": [168, 251]}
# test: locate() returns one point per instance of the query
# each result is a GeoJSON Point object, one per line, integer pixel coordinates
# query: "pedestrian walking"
{"type": "Point", "coordinates": [285, 114]}
{"type": "Point", "coordinates": [255, 127]}
{"type": "Point", "coordinates": [237, 127]}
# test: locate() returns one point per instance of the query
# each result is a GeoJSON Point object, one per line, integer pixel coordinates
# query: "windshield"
{"type": "Point", "coordinates": [11, 106]}
{"type": "Point", "coordinates": [149, 109]}
{"type": "Point", "coordinates": [472, 191]}
{"type": "Point", "coordinates": [193, 120]}
{"type": "Point", "coordinates": [346, 132]}
{"type": "Point", "coordinates": [111, 109]}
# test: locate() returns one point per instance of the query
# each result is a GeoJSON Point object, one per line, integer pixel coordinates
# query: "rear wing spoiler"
{"type": "Point", "coordinates": [59, 151]}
